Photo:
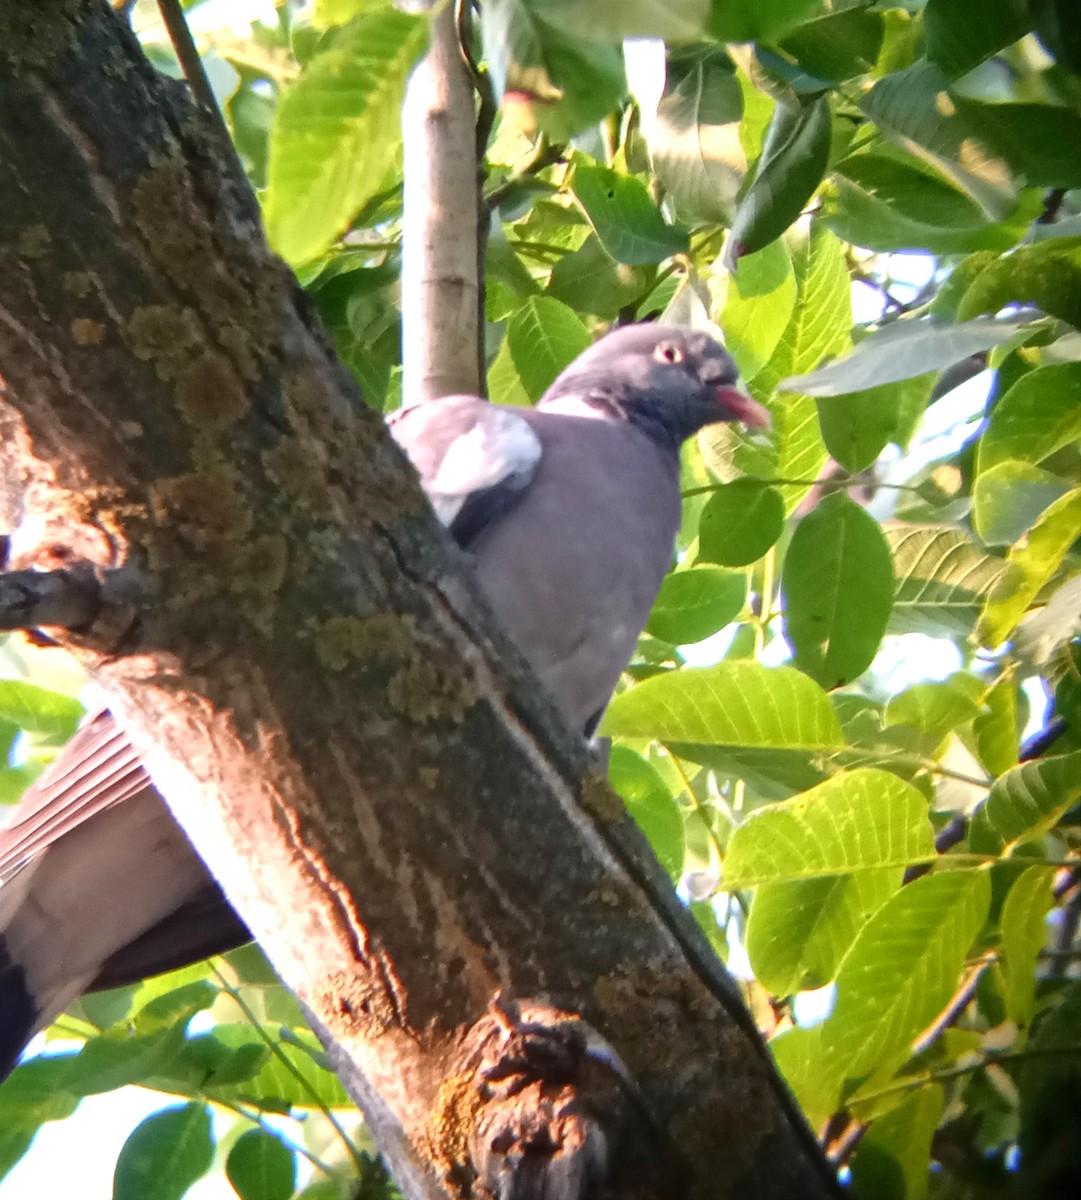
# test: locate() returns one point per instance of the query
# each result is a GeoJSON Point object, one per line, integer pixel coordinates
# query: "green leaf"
{"type": "Point", "coordinates": [1047, 274]}
{"type": "Point", "coordinates": [757, 20]}
{"type": "Point", "coordinates": [961, 34]}
{"type": "Point", "coordinates": [838, 45]}
{"type": "Point", "coordinates": [694, 141]}
{"type": "Point", "coordinates": [543, 337]}
{"type": "Point", "coordinates": [893, 1158]}
{"type": "Point", "coordinates": [260, 1167]}
{"type": "Point", "coordinates": [814, 1078]}
{"type": "Point", "coordinates": [913, 107]}
{"type": "Point", "coordinates": [739, 523]}
{"type": "Point", "coordinates": [996, 729]}
{"type": "Point", "coordinates": [590, 281]}
{"type": "Point", "coordinates": [941, 579]}
{"type": "Point", "coordinates": [337, 131]}
{"type": "Point", "coordinates": [1008, 498]}
{"type": "Point", "coordinates": [860, 820]}
{"type": "Point", "coordinates": [48, 715]}
{"type": "Point", "coordinates": [37, 1091]}
{"type": "Point", "coordinates": [937, 708]}
{"type": "Point", "coordinates": [627, 222]}
{"type": "Point", "coordinates": [1030, 564]}
{"type": "Point", "coordinates": [165, 1154]}
{"type": "Point", "coordinates": [871, 202]}
{"type": "Point", "coordinates": [1058, 29]}
{"type": "Point", "coordinates": [1037, 415]}
{"type": "Point", "coordinates": [818, 328]}
{"type": "Point", "coordinates": [1024, 934]}
{"type": "Point", "coordinates": [758, 303]}
{"type": "Point", "coordinates": [613, 20]}
{"type": "Point", "coordinates": [651, 804]}
{"type": "Point", "coordinates": [903, 968]}
{"type": "Point", "coordinates": [556, 81]}
{"type": "Point", "coordinates": [108, 1062]}
{"type": "Point", "coordinates": [732, 704]}
{"type": "Point", "coordinates": [838, 589]}
{"type": "Point", "coordinates": [799, 930]}
{"type": "Point", "coordinates": [856, 427]}
{"type": "Point", "coordinates": [1028, 801]}
{"type": "Point", "coordinates": [791, 168]}
{"type": "Point", "coordinates": [904, 350]}
{"type": "Point", "coordinates": [1029, 137]}
{"type": "Point", "coordinates": [696, 603]}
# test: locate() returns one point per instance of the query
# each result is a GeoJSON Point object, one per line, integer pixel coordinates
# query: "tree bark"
{"type": "Point", "coordinates": [499, 970]}
{"type": "Point", "coordinates": [440, 327]}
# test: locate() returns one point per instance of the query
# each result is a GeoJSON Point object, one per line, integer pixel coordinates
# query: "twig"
{"type": "Point", "coordinates": [191, 64]}
{"type": "Point", "coordinates": [950, 1015]}
{"type": "Point", "coordinates": [283, 1058]}
{"type": "Point", "coordinates": [187, 55]}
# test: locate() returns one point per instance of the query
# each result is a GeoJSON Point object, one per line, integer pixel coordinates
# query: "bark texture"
{"type": "Point", "coordinates": [499, 970]}
{"type": "Point", "coordinates": [440, 330]}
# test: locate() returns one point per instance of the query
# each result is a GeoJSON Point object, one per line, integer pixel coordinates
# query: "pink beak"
{"type": "Point", "coordinates": [743, 408]}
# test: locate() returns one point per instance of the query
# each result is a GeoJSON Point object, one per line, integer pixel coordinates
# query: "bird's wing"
{"type": "Point", "coordinates": [475, 459]}
{"type": "Point", "coordinates": [98, 768]}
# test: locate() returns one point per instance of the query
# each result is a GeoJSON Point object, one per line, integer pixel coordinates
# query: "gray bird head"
{"type": "Point", "coordinates": [668, 380]}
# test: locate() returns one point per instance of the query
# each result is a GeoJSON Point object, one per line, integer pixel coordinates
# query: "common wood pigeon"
{"type": "Point", "coordinates": [569, 511]}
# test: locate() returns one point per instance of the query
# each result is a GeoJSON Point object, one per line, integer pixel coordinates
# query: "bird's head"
{"type": "Point", "coordinates": [668, 380]}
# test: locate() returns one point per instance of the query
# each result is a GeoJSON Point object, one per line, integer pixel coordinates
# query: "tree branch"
{"type": "Point", "coordinates": [440, 285]}
{"type": "Point", "coordinates": [315, 686]}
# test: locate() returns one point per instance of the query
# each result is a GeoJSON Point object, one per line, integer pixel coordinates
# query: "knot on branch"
{"type": "Point", "coordinates": [79, 599]}
{"type": "Point", "coordinates": [535, 1107]}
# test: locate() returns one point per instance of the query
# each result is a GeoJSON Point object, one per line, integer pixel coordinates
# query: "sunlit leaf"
{"type": "Point", "coordinates": [903, 968]}
{"type": "Point", "coordinates": [941, 579]}
{"type": "Point", "coordinates": [861, 820]}
{"type": "Point", "coordinates": [652, 805]}
{"type": "Point", "coordinates": [1038, 415]}
{"type": "Point", "coordinates": [733, 703]}
{"type": "Point", "coordinates": [799, 930]}
{"type": "Point", "coordinates": [758, 303]}
{"type": "Point", "coordinates": [1009, 497]}
{"type": "Point", "coordinates": [337, 130]}
{"type": "Point", "coordinates": [896, 1152]}
{"type": "Point", "coordinates": [1030, 564]}
{"type": "Point", "coordinates": [1029, 800]}
{"type": "Point", "coordinates": [1024, 934]}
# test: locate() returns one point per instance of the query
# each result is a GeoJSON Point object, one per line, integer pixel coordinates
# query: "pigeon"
{"type": "Point", "coordinates": [569, 512]}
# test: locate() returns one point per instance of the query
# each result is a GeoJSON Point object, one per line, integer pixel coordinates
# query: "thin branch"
{"type": "Point", "coordinates": [187, 54]}
{"type": "Point", "coordinates": [275, 1049]}
{"type": "Point", "coordinates": [951, 1014]}
{"type": "Point", "coordinates": [257, 1118]}
{"type": "Point", "coordinates": [191, 64]}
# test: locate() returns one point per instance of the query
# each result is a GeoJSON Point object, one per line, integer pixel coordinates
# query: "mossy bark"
{"type": "Point", "coordinates": [316, 687]}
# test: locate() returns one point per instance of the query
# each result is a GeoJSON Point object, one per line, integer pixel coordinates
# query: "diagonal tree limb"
{"type": "Point", "coordinates": [315, 686]}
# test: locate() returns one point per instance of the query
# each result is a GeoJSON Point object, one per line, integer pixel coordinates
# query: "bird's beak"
{"type": "Point", "coordinates": [743, 408]}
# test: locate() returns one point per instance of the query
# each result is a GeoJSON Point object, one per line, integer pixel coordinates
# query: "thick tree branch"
{"type": "Point", "coordinates": [468, 917]}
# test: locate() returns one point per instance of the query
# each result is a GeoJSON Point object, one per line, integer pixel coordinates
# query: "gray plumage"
{"type": "Point", "coordinates": [569, 510]}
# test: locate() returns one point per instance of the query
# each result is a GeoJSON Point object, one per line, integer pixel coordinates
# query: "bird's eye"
{"type": "Point", "coordinates": [670, 353]}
